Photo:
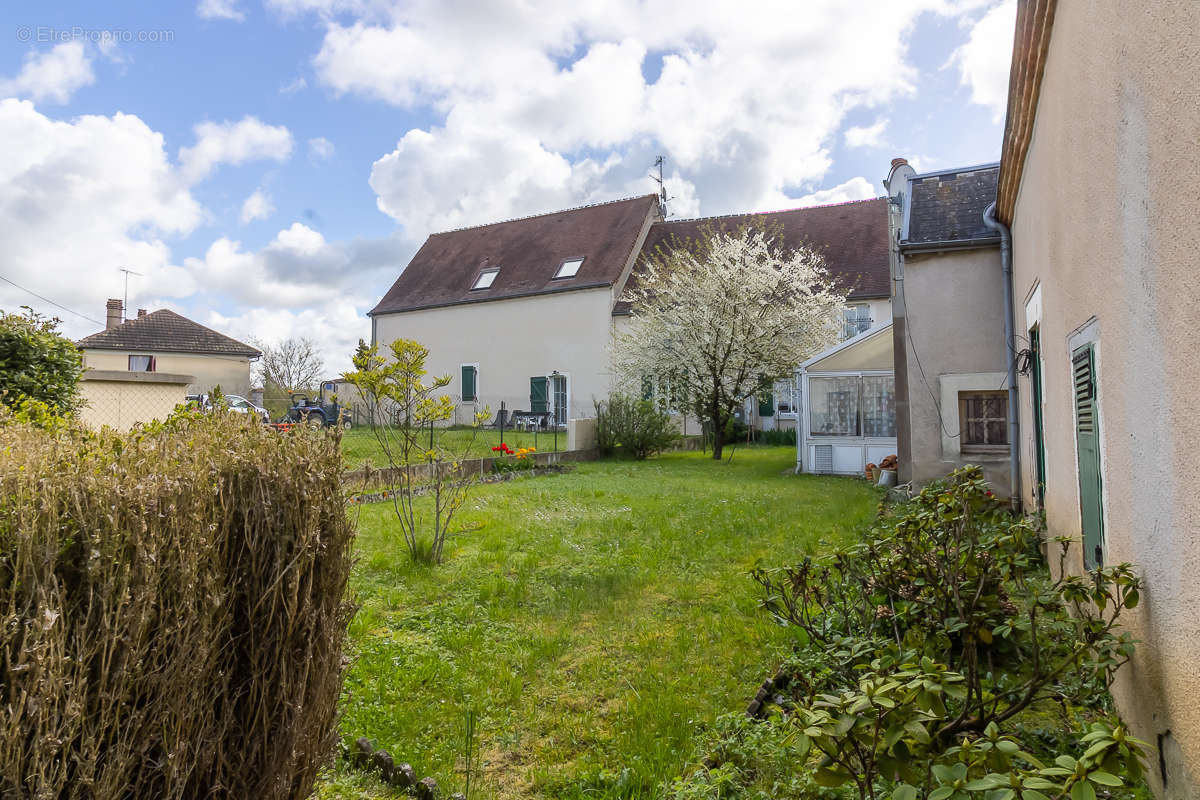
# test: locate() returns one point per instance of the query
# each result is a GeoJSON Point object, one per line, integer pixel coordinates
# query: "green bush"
{"type": "Point", "coordinates": [777, 438]}
{"type": "Point", "coordinates": [923, 652]}
{"type": "Point", "coordinates": [174, 609]}
{"type": "Point", "coordinates": [629, 427]}
{"type": "Point", "coordinates": [37, 364]}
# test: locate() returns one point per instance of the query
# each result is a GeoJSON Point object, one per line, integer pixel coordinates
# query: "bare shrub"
{"type": "Point", "coordinates": [172, 610]}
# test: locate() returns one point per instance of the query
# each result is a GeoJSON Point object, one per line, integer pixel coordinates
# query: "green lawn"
{"type": "Point", "coordinates": [359, 444]}
{"type": "Point", "coordinates": [597, 622]}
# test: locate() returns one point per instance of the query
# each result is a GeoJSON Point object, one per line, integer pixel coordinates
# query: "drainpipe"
{"type": "Point", "coordinates": [1014, 424]}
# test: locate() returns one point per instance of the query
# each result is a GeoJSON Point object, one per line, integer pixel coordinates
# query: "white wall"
{"type": "Point", "coordinates": [512, 341]}
{"type": "Point", "coordinates": [232, 373]}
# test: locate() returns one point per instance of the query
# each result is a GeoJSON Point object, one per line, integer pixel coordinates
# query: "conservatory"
{"type": "Point", "coordinates": [847, 405]}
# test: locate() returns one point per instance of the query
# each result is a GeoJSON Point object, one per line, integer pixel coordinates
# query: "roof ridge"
{"type": "Point", "coordinates": [764, 213]}
{"type": "Point", "coordinates": [545, 214]}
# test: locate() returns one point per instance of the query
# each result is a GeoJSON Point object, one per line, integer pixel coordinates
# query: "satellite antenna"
{"type": "Point", "coordinates": [662, 187]}
{"type": "Point", "coordinates": [125, 302]}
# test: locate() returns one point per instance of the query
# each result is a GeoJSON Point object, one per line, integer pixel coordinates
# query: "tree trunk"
{"type": "Point", "coordinates": [718, 427]}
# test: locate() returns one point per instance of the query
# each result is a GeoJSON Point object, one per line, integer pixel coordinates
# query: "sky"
{"type": "Point", "coordinates": [269, 168]}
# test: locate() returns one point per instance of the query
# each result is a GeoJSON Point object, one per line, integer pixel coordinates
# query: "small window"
{"type": "Point", "coordinates": [983, 421]}
{"type": "Point", "coordinates": [485, 278]}
{"type": "Point", "coordinates": [569, 268]}
{"type": "Point", "coordinates": [855, 320]}
{"type": "Point", "coordinates": [470, 383]}
{"type": "Point", "coordinates": [141, 363]}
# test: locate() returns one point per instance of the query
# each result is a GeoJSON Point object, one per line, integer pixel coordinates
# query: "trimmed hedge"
{"type": "Point", "coordinates": [172, 610]}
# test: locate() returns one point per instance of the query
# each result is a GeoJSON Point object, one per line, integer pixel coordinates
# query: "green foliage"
{"type": "Point", "coordinates": [396, 392]}
{"type": "Point", "coordinates": [39, 368]}
{"type": "Point", "coordinates": [777, 438]}
{"type": "Point", "coordinates": [626, 426]}
{"type": "Point", "coordinates": [174, 609]}
{"type": "Point", "coordinates": [920, 647]}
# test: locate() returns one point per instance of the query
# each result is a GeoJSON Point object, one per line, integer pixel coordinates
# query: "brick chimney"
{"type": "Point", "coordinates": [141, 313]}
{"type": "Point", "coordinates": [115, 315]}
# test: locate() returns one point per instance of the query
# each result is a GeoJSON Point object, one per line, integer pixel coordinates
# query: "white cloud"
{"type": "Point", "coordinates": [866, 136]}
{"type": "Point", "coordinates": [548, 104]}
{"type": "Point", "coordinates": [233, 143]}
{"type": "Point", "coordinates": [320, 149]}
{"type": "Point", "coordinates": [81, 199]}
{"type": "Point", "coordinates": [335, 325]}
{"type": "Point", "coordinates": [984, 59]}
{"type": "Point", "coordinates": [295, 85]}
{"type": "Point", "coordinates": [219, 9]}
{"type": "Point", "coordinates": [257, 206]}
{"type": "Point", "coordinates": [52, 76]}
{"type": "Point", "coordinates": [858, 188]}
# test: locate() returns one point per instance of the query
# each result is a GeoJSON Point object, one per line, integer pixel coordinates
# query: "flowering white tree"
{"type": "Point", "coordinates": [718, 318]}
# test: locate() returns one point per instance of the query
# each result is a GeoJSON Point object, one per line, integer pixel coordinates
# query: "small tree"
{"type": "Point", "coordinates": [37, 363]}
{"type": "Point", "coordinates": [292, 365]}
{"type": "Point", "coordinates": [721, 316]}
{"type": "Point", "coordinates": [404, 408]}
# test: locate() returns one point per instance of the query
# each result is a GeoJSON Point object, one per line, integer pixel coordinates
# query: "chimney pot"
{"type": "Point", "coordinates": [115, 314]}
{"type": "Point", "coordinates": [896, 162]}
{"type": "Point", "coordinates": [141, 313]}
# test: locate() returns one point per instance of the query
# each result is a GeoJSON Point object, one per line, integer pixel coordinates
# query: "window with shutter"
{"type": "Point", "coordinates": [1087, 446]}
{"type": "Point", "coordinates": [983, 422]}
{"type": "Point", "coordinates": [539, 394]}
{"type": "Point", "coordinates": [470, 382]}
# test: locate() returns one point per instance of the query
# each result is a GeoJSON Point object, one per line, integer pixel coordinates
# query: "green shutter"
{"type": "Point", "coordinates": [469, 375]}
{"type": "Point", "coordinates": [1087, 440]}
{"type": "Point", "coordinates": [539, 394]}
{"type": "Point", "coordinates": [1039, 429]}
{"type": "Point", "coordinates": [647, 388]}
{"type": "Point", "coordinates": [766, 405]}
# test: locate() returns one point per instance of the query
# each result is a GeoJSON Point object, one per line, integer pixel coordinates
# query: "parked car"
{"type": "Point", "coordinates": [235, 403]}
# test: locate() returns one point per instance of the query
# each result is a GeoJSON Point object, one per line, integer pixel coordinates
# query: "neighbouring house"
{"type": "Point", "coordinates": [853, 240]}
{"type": "Point", "coordinates": [521, 313]}
{"type": "Point", "coordinates": [847, 405]}
{"type": "Point", "coordinates": [1098, 185]}
{"type": "Point", "coordinates": [165, 342]}
{"type": "Point", "coordinates": [120, 399]}
{"type": "Point", "coordinates": [952, 388]}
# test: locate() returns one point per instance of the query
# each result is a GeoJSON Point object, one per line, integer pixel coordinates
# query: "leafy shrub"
{"type": "Point", "coordinates": [173, 609]}
{"type": "Point", "coordinates": [636, 428]}
{"type": "Point", "coordinates": [922, 649]}
{"type": "Point", "coordinates": [777, 438]}
{"type": "Point", "coordinates": [38, 364]}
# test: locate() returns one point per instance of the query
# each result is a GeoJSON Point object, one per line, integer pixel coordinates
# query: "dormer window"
{"type": "Point", "coordinates": [568, 268]}
{"type": "Point", "coordinates": [486, 278]}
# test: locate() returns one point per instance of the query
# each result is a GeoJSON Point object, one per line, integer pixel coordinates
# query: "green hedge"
{"type": "Point", "coordinates": [172, 610]}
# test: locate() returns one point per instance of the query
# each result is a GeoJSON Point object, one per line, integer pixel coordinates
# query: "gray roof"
{"type": "Point", "coordinates": [165, 331]}
{"type": "Point", "coordinates": [947, 208]}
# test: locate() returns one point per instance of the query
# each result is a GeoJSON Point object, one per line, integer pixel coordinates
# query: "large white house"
{"type": "Point", "coordinates": [522, 312]}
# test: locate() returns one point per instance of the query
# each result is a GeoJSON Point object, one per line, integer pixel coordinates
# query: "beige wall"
{"type": "Point", "coordinates": [121, 404]}
{"type": "Point", "coordinates": [512, 341]}
{"type": "Point", "coordinates": [960, 291]}
{"type": "Point", "coordinates": [232, 373]}
{"type": "Point", "coordinates": [1104, 228]}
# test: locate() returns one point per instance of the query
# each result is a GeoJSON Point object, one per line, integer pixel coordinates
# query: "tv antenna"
{"type": "Point", "coordinates": [662, 187]}
{"type": "Point", "coordinates": [125, 302]}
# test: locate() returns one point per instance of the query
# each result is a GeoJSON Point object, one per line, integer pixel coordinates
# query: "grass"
{"type": "Point", "coordinates": [597, 621]}
{"type": "Point", "coordinates": [359, 444]}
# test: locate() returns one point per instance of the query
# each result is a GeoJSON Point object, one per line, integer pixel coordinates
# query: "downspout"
{"type": "Point", "coordinates": [1014, 425]}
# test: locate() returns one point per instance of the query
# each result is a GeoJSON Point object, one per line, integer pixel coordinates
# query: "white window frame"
{"type": "Point", "coordinates": [578, 262]}
{"type": "Point", "coordinates": [789, 387]}
{"type": "Point", "coordinates": [566, 376]}
{"type": "Point", "coordinates": [490, 273]}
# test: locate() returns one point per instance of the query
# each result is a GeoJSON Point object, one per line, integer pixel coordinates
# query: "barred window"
{"type": "Point", "coordinates": [983, 421]}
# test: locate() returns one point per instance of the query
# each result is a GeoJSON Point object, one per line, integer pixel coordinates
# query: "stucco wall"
{"type": "Point", "coordinates": [232, 373]}
{"type": "Point", "coordinates": [1104, 227]}
{"type": "Point", "coordinates": [121, 404]}
{"type": "Point", "coordinates": [512, 341]}
{"type": "Point", "coordinates": [960, 292]}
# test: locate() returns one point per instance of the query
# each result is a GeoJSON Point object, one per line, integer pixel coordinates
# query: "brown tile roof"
{"type": "Point", "coordinates": [853, 238]}
{"type": "Point", "coordinates": [165, 331]}
{"type": "Point", "coordinates": [528, 253]}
